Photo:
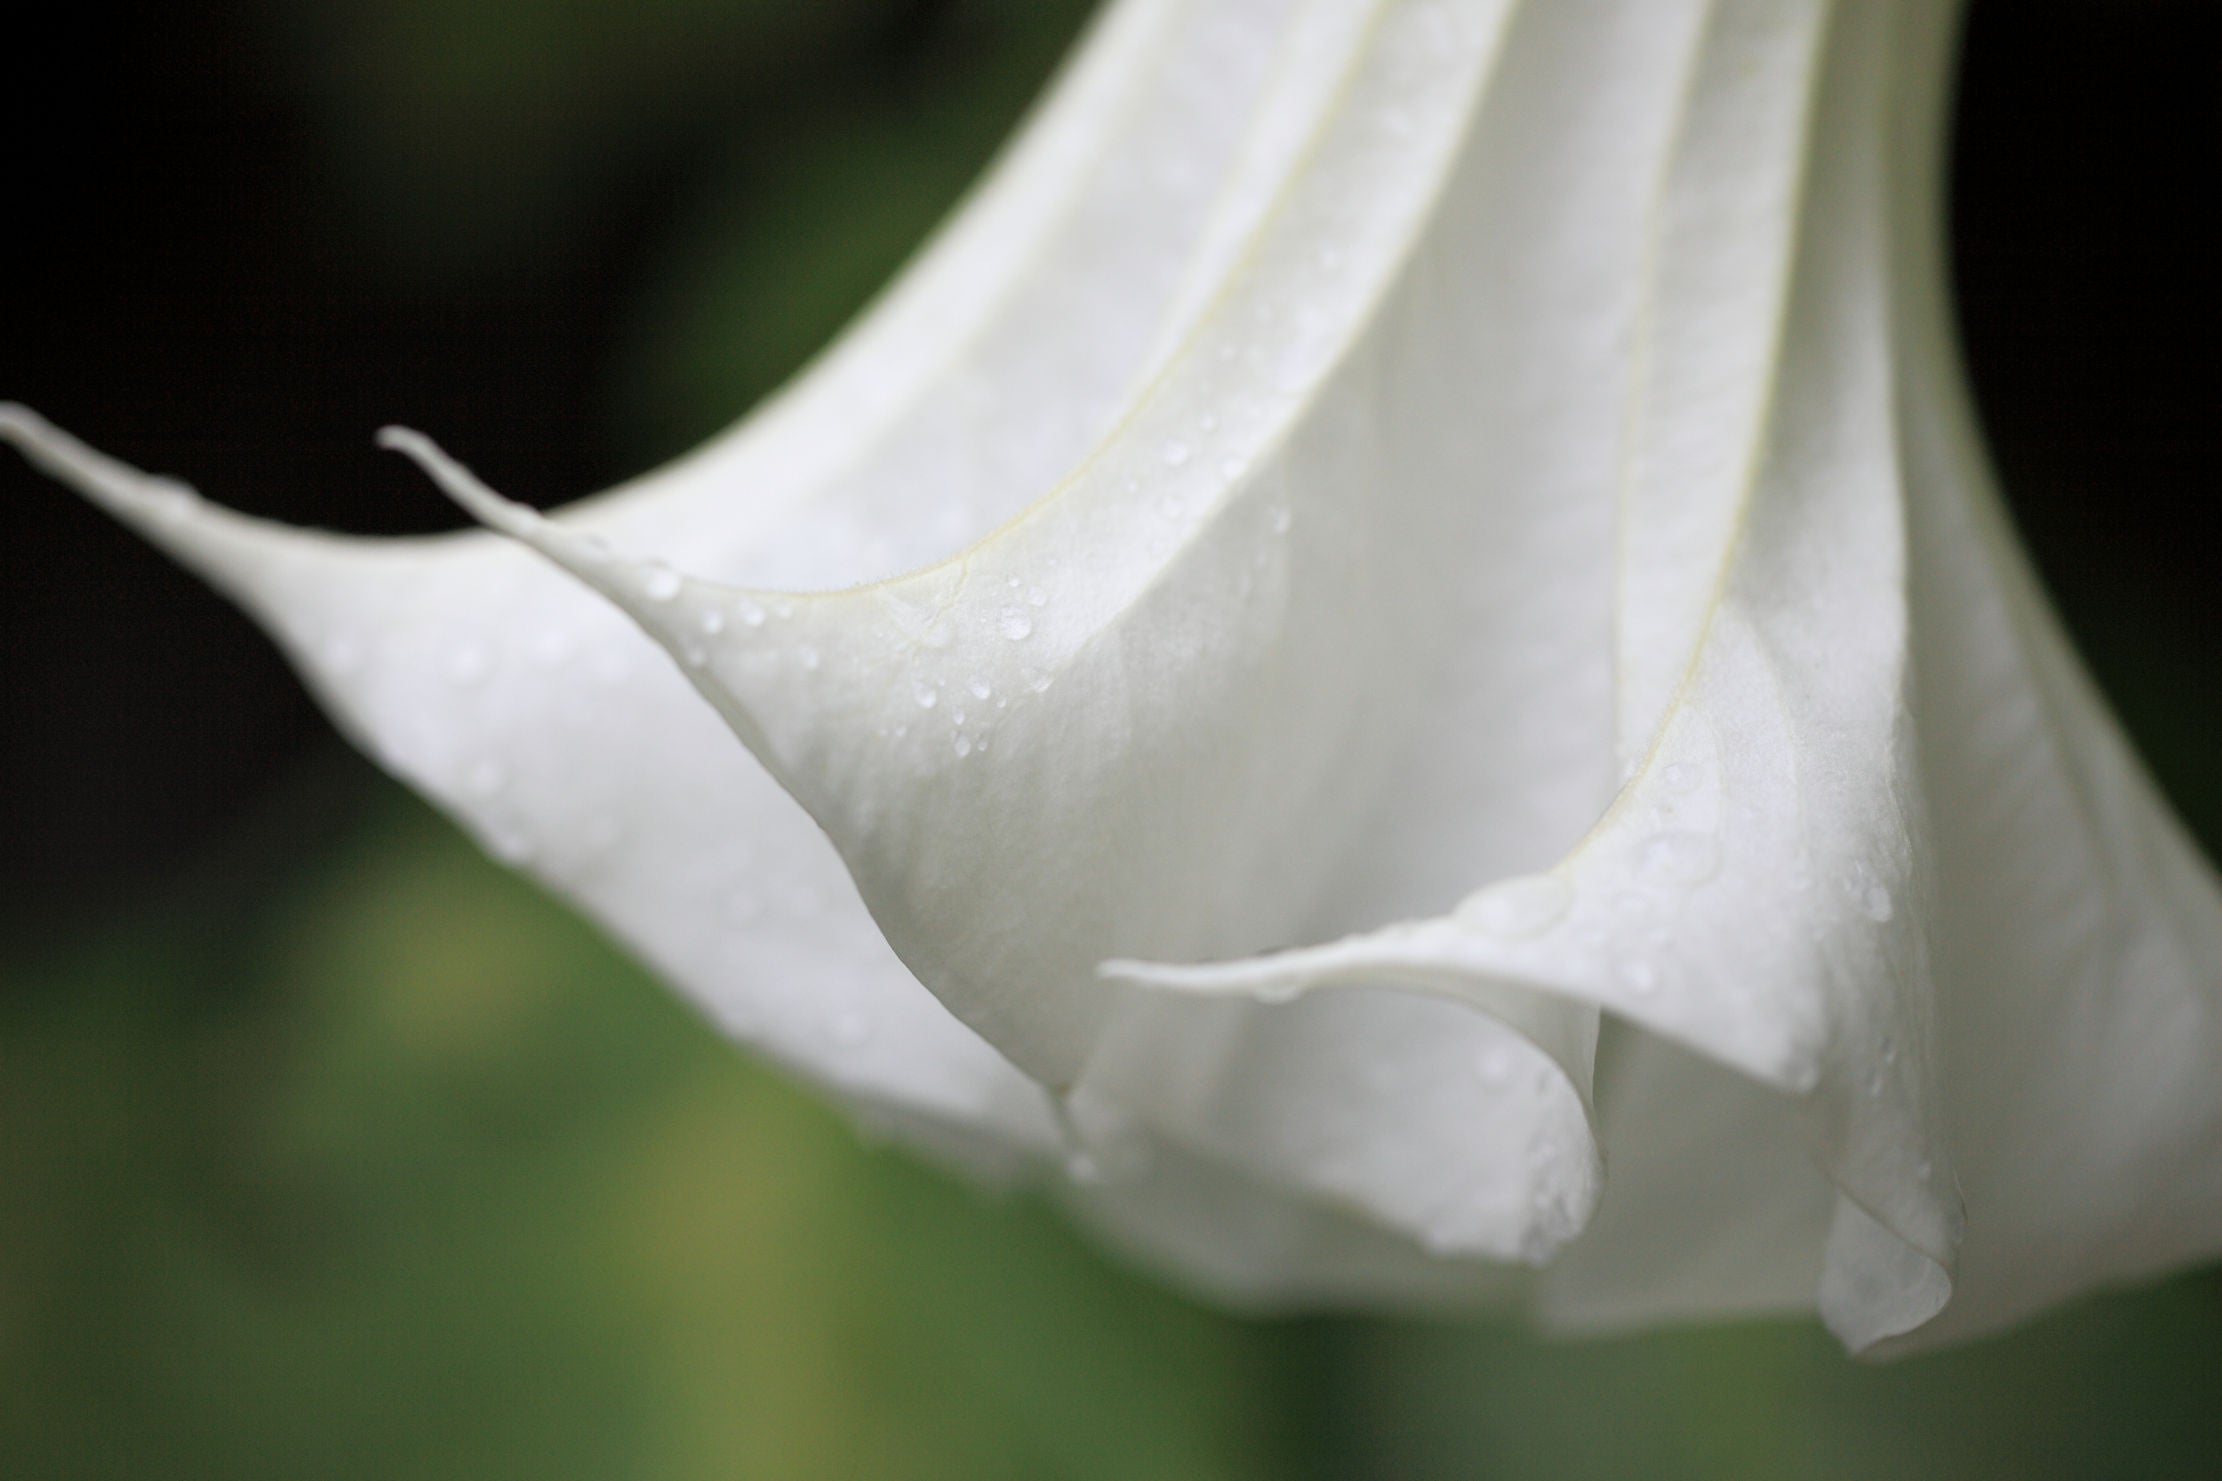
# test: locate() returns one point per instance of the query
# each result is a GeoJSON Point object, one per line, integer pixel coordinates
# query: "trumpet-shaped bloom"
{"type": "Point", "coordinates": [1393, 664]}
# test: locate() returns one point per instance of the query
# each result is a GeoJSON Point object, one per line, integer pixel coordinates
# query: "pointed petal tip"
{"type": "Point", "coordinates": [463, 486]}
{"type": "Point", "coordinates": [1259, 978]}
{"type": "Point", "coordinates": [136, 497]}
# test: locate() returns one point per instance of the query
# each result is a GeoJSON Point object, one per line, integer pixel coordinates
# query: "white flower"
{"type": "Point", "coordinates": [1476, 493]}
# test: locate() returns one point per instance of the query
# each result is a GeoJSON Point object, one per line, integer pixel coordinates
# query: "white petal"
{"type": "Point", "coordinates": [1487, 478]}
{"type": "Point", "coordinates": [1747, 894]}
{"type": "Point", "coordinates": [542, 720]}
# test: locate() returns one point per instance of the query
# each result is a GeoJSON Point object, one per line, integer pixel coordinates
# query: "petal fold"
{"type": "Point", "coordinates": [1403, 608]}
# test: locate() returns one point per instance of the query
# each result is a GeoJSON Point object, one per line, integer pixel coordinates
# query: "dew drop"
{"type": "Point", "coordinates": [1876, 904]}
{"type": "Point", "coordinates": [1638, 976]}
{"type": "Point", "coordinates": [661, 584]}
{"type": "Point", "coordinates": [808, 658]}
{"type": "Point", "coordinates": [1518, 908]}
{"type": "Point", "coordinates": [1176, 452]}
{"type": "Point", "coordinates": [750, 614]}
{"type": "Point", "coordinates": [926, 694]}
{"type": "Point", "coordinates": [1680, 776]}
{"type": "Point", "coordinates": [961, 744]}
{"type": "Point", "coordinates": [1015, 624]}
{"type": "Point", "coordinates": [343, 655]}
{"type": "Point", "coordinates": [1678, 858]}
{"type": "Point", "coordinates": [852, 1028]}
{"type": "Point", "coordinates": [1494, 1066]}
{"type": "Point", "coordinates": [468, 664]}
{"type": "Point", "coordinates": [1230, 467]}
{"type": "Point", "coordinates": [170, 498]}
{"type": "Point", "coordinates": [553, 648]}
{"type": "Point", "coordinates": [979, 687]}
{"type": "Point", "coordinates": [1036, 597]}
{"type": "Point", "coordinates": [713, 622]}
{"type": "Point", "coordinates": [1037, 680]}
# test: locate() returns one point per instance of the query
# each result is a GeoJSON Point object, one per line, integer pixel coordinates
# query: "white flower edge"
{"type": "Point", "coordinates": [1837, 698]}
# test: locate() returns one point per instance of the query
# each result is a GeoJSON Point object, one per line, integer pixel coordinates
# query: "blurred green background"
{"type": "Point", "coordinates": [329, 1149]}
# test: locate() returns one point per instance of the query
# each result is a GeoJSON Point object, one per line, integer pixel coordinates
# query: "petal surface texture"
{"type": "Point", "coordinates": [1393, 663]}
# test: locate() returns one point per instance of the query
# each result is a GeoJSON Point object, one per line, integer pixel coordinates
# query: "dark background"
{"type": "Point", "coordinates": [328, 1149]}
{"type": "Point", "coordinates": [237, 250]}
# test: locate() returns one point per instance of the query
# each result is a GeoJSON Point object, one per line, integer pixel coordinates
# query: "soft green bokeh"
{"type": "Point", "coordinates": [371, 1161]}
{"type": "Point", "coordinates": [413, 1175]}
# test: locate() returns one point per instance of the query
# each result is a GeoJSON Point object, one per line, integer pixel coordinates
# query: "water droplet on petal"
{"type": "Point", "coordinates": [808, 658]}
{"type": "Point", "coordinates": [1516, 909]}
{"type": "Point", "coordinates": [750, 613]}
{"type": "Point", "coordinates": [1875, 903]}
{"type": "Point", "coordinates": [660, 584]}
{"type": "Point", "coordinates": [171, 498]}
{"type": "Point", "coordinates": [343, 654]}
{"type": "Point", "coordinates": [1638, 976]}
{"type": "Point", "coordinates": [1680, 776]}
{"type": "Point", "coordinates": [713, 622]}
{"type": "Point", "coordinates": [553, 648]}
{"type": "Point", "coordinates": [1494, 1066]}
{"type": "Point", "coordinates": [1015, 624]}
{"type": "Point", "coordinates": [468, 664]}
{"type": "Point", "coordinates": [1176, 452]}
{"type": "Point", "coordinates": [926, 694]}
{"type": "Point", "coordinates": [961, 744]}
{"type": "Point", "coordinates": [1678, 858]}
{"type": "Point", "coordinates": [979, 687]}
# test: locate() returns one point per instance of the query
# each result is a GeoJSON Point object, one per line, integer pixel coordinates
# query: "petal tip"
{"type": "Point", "coordinates": [461, 485]}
